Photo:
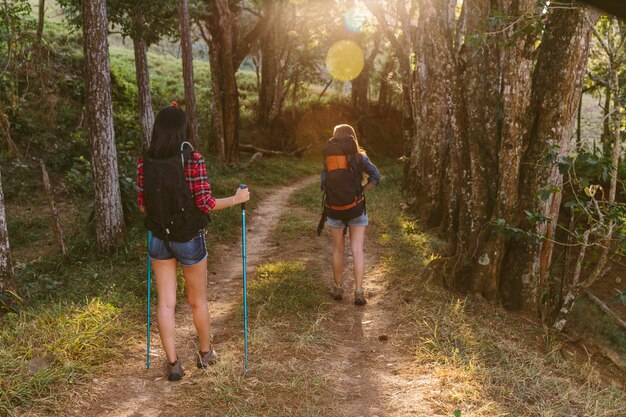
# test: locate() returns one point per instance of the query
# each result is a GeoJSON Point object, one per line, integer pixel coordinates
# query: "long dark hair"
{"type": "Point", "coordinates": [170, 129]}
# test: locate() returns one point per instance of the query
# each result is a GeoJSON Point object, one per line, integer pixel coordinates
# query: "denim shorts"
{"type": "Point", "coordinates": [357, 221]}
{"type": "Point", "coordinates": [187, 253]}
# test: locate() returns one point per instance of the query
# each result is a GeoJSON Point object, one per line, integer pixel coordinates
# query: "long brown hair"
{"type": "Point", "coordinates": [347, 130]}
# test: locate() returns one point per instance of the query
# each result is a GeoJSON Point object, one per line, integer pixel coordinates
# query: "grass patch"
{"type": "Point", "coordinates": [285, 291]}
{"type": "Point", "coordinates": [292, 226]}
{"type": "Point", "coordinates": [68, 340]}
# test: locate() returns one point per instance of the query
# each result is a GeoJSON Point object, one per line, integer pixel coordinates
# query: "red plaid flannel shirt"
{"type": "Point", "coordinates": [195, 175]}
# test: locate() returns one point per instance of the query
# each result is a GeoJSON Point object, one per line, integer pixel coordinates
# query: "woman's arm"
{"type": "Point", "coordinates": [372, 172]}
{"type": "Point", "coordinates": [241, 196]}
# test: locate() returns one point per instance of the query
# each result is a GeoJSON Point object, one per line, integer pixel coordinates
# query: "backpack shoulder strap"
{"type": "Point", "coordinates": [184, 154]}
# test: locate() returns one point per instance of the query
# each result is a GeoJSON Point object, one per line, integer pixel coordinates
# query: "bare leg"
{"type": "Point", "coordinates": [165, 276]}
{"type": "Point", "coordinates": [357, 238]}
{"type": "Point", "coordinates": [338, 248]}
{"type": "Point", "coordinates": [195, 280]}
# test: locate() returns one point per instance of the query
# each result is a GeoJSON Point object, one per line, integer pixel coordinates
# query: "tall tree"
{"type": "Point", "coordinates": [7, 277]}
{"type": "Point", "coordinates": [556, 90]}
{"type": "Point", "coordinates": [219, 28]}
{"type": "Point", "coordinates": [187, 53]}
{"type": "Point", "coordinates": [41, 19]}
{"type": "Point", "coordinates": [146, 114]}
{"type": "Point", "coordinates": [109, 218]}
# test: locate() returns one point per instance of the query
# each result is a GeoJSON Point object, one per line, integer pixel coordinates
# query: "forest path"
{"type": "Point", "coordinates": [128, 389]}
{"type": "Point", "coordinates": [369, 367]}
{"type": "Point", "coordinates": [373, 361]}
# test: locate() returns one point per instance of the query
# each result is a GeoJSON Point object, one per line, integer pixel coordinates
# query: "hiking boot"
{"type": "Point", "coordinates": [209, 358]}
{"type": "Point", "coordinates": [337, 292]}
{"type": "Point", "coordinates": [359, 297]}
{"type": "Point", "coordinates": [175, 372]}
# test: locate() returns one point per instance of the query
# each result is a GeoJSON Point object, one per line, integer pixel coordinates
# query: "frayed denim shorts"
{"type": "Point", "coordinates": [187, 253]}
{"type": "Point", "coordinates": [357, 221]}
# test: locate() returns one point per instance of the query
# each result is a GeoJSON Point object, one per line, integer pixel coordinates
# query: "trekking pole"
{"type": "Point", "coordinates": [148, 305]}
{"type": "Point", "coordinates": [245, 283]}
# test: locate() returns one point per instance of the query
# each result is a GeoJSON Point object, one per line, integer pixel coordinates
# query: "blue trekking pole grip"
{"type": "Point", "coordinates": [149, 268]}
{"type": "Point", "coordinates": [245, 283]}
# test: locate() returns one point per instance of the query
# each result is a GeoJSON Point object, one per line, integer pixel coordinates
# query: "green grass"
{"type": "Point", "coordinates": [285, 291]}
{"type": "Point", "coordinates": [75, 339]}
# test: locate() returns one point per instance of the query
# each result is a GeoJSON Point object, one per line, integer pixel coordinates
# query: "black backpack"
{"type": "Point", "coordinates": [343, 193]}
{"type": "Point", "coordinates": [172, 214]}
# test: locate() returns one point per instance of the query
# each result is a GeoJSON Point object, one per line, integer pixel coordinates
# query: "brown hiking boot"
{"type": "Point", "coordinates": [359, 297]}
{"type": "Point", "coordinates": [209, 358]}
{"type": "Point", "coordinates": [337, 292]}
{"type": "Point", "coordinates": [175, 372]}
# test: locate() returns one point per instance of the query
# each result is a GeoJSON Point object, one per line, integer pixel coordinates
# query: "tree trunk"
{"type": "Point", "coordinates": [190, 95]}
{"type": "Point", "coordinates": [41, 20]}
{"type": "Point", "coordinates": [605, 137]}
{"type": "Point", "coordinates": [431, 147]}
{"type": "Point", "coordinates": [222, 27]}
{"type": "Point", "coordinates": [483, 77]}
{"type": "Point", "coordinates": [600, 267]}
{"type": "Point", "coordinates": [217, 107]}
{"type": "Point", "coordinates": [502, 153]}
{"type": "Point", "coordinates": [7, 277]}
{"type": "Point", "coordinates": [384, 89]}
{"type": "Point", "coordinates": [556, 90]}
{"type": "Point", "coordinates": [109, 219]}
{"type": "Point", "coordinates": [269, 63]}
{"type": "Point", "coordinates": [146, 115]}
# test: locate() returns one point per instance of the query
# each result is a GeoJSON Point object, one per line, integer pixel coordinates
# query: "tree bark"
{"type": "Point", "coordinates": [7, 276]}
{"type": "Point", "coordinates": [556, 90]}
{"type": "Point", "coordinates": [434, 91]}
{"type": "Point", "coordinates": [187, 56]}
{"type": "Point", "coordinates": [109, 219]}
{"type": "Point", "coordinates": [501, 154]}
{"type": "Point", "coordinates": [146, 115]}
{"type": "Point", "coordinates": [41, 20]}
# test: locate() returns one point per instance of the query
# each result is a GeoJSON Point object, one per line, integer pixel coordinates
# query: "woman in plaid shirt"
{"type": "Point", "coordinates": [168, 135]}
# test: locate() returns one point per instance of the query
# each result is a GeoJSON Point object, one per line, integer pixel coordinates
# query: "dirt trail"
{"type": "Point", "coordinates": [372, 362]}
{"type": "Point", "coordinates": [131, 390]}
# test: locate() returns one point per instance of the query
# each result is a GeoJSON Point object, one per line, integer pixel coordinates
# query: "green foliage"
{"type": "Point", "coordinates": [15, 31]}
{"type": "Point", "coordinates": [152, 20]}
